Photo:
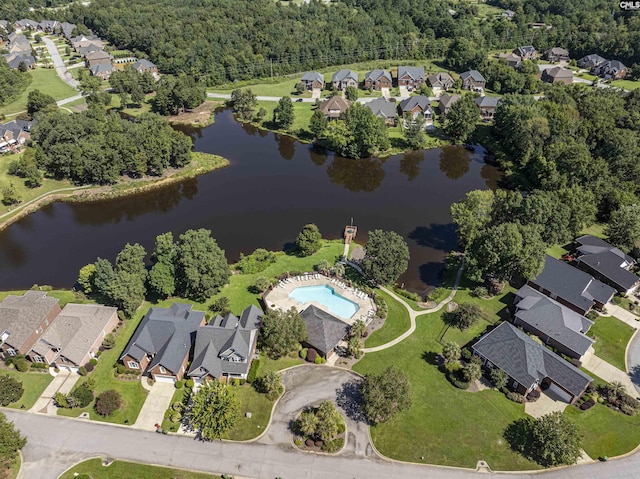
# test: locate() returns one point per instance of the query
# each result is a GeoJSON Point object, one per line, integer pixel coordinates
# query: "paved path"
{"type": "Point", "coordinates": [60, 190]}
{"type": "Point", "coordinates": [59, 65]}
{"type": "Point", "coordinates": [63, 382]}
{"type": "Point", "coordinates": [157, 402]}
{"type": "Point", "coordinates": [606, 371]}
{"type": "Point", "coordinates": [413, 314]}
{"type": "Point", "coordinates": [623, 315]}
{"type": "Point", "coordinates": [70, 99]}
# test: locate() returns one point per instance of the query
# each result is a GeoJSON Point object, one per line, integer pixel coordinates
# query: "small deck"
{"type": "Point", "coordinates": [350, 233]}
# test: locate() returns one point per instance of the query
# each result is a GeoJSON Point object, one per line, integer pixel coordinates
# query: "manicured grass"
{"type": "Point", "coordinates": [626, 84]}
{"type": "Point", "coordinates": [34, 383]}
{"type": "Point", "coordinates": [630, 305]}
{"type": "Point", "coordinates": [612, 337]}
{"type": "Point", "coordinates": [47, 81]}
{"type": "Point", "coordinates": [132, 392]}
{"type": "Point", "coordinates": [178, 396]}
{"type": "Point", "coordinates": [596, 229]}
{"type": "Point", "coordinates": [259, 407]}
{"type": "Point", "coordinates": [397, 322]}
{"type": "Point", "coordinates": [301, 116]}
{"type": "Point", "coordinates": [605, 432]}
{"type": "Point", "coordinates": [556, 251]}
{"type": "Point", "coordinates": [64, 296]}
{"type": "Point", "coordinates": [268, 365]}
{"type": "Point", "coordinates": [15, 468]}
{"type": "Point", "coordinates": [125, 470]}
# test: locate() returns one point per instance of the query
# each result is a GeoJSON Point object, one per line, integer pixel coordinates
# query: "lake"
{"type": "Point", "coordinates": [273, 186]}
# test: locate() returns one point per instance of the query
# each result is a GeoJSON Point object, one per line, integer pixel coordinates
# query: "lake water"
{"type": "Point", "coordinates": [273, 187]}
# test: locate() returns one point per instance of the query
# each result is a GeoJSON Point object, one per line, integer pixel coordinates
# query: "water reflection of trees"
{"type": "Point", "coordinates": [318, 157]}
{"type": "Point", "coordinates": [410, 164]}
{"type": "Point", "coordinates": [491, 176]}
{"type": "Point", "coordinates": [286, 146]}
{"type": "Point", "coordinates": [356, 175]}
{"type": "Point", "coordinates": [454, 161]}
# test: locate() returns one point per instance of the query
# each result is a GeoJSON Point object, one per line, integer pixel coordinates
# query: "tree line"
{"type": "Point", "coordinates": [12, 82]}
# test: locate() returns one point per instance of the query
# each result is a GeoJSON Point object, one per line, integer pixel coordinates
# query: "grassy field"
{"type": "Point", "coordinates": [178, 396]}
{"type": "Point", "coordinates": [129, 470]}
{"type": "Point", "coordinates": [47, 81]}
{"type": "Point", "coordinates": [626, 84]}
{"type": "Point", "coordinates": [259, 407]}
{"type": "Point", "coordinates": [612, 337]}
{"type": "Point", "coordinates": [397, 322]}
{"type": "Point", "coordinates": [34, 383]}
{"type": "Point", "coordinates": [132, 392]}
{"type": "Point", "coordinates": [301, 116]}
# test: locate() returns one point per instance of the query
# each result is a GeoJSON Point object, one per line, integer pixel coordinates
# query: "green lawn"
{"type": "Point", "coordinates": [626, 84]}
{"type": "Point", "coordinates": [302, 115]}
{"type": "Point", "coordinates": [34, 383]}
{"type": "Point", "coordinates": [397, 322]}
{"type": "Point", "coordinates": [259, 407]}
{"type": "Point", "coordinates": [556, 251]}
{"type": "Point", "coordinates": [125, 470]}
{"type": "Point", "coordinates": [132, 392]}
{"type": "Point", "coordinates": [47, 81]}
{"type": "Point", "coordinates": [178, 396]}
{"type": "Point", "coordinates": [267, 365]}
{"type": "Point", "coordinates": [15, 468]}
{"type": "Point", "coordinates": [612, 337]}
{"type": "Point", "coordinates": [64, 296]}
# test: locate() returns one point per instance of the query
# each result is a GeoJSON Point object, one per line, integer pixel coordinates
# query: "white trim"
{"type": "Point", "coordinates": [133, 365]}
{"type": "Point", "coordinates": [162, 370]}
{"type": "Point", "coordinates": [38, 359]}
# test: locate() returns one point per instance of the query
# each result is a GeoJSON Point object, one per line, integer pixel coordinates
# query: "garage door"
{"type": "Point", "coordinates": [559, 392]}
{"type": "Point", "coordinates": [164, 379]}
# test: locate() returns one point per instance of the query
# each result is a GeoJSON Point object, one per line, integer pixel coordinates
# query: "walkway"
{"type": "Point", "coordinates": [623, 315]}
{"type": "Point", "coordinates": [63, 382]}
{"type": "Point", "coordinates": [59, 65]}
{"type": "Point", "coordinates": [24, 205]}
{"type": "Point", "coordinates": [413, 314]}
{"type": "Point", "coordinates": [155, 405]}
{"type": "Point", "coordinates": [606, 371]}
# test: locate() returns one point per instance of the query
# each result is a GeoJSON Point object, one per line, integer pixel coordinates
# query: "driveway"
{"type": "Point", "coordinates": [315, 93]}
{"type": "Point", "coordinates": [386, 92]}
{"type": "Point", "coordinates": [59, 65]}
{"type": "Point", "coordinates": [157, 402]}
{"type": "Point", "coordinates": [623, 315]}
{"type": "Point", "coordinates": [546, 404]}
{"type": "Point", "coordinates": [607, 371]}
{"type": "Point", "coordinates": [404, 92]}
{"type": "Point", "coordinates": [63, 382]}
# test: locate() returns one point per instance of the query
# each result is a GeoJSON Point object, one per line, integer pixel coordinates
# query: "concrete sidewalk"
{"type": "Point", "coordinates": [607, 371]}
{"type": "Point", "coordinates": [623, 315]}
{"type": "Point", "coordinates": [63, 382]}
{"type": "Point", "coordinates": [157, 402]}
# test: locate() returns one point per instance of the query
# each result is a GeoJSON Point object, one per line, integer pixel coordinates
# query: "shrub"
{"type": "Point", "coordinates": [303, 353]}
{"type": "Point", "coordinates": [179, 384]}
{"type": "Point", "coordinates": [61, 400]}
{"type": "Point", "coordinates": [515, 397]}
{"type": "Point", "coordinates": [318, 443]}
{"type": "Point", "coordinates": [93, 361]}
{"type": "Point", "coordinates": [319, 360]}
{"type": "Point", "coordinates": [480, 292]}
{"type": "Point", "coordinates": [90, 384]}
{"type": "Point", "coordinates": [466, 354]}
{"type": "Point", "coordinates": [309, 443]}
{"type": "Point", "coordinates": [498, 378]}
{"type": "Point", "coordinates": [189, 383]}
{"type": "Point", "coordinates": [220, 306]}
{"type": "Point", "coordinates": [333, 446]}
{"type": "Point", "coordinates": [312, 354]}
{"type": "Point", "coordinates": [82, 371]}
{"type": "Point", "coordinates": [121, 368]}
{"type": "Point", "coordinates": [175, 416]}
{"type": "Point", "coordinates": [80, 396]}
{"type": "Point", "coordinates": [11, 390]}
{"type": "Point", "coordinates": [297, 441]}
{"type": "Point", "coordinates": [109, 341]}
{"type": "Point", "coordinates": [22, 365]}
{"type": "Point", "coordinates": [587, 404]}
{"type": "Point", "coordinates": [256, 262]}
{"type": "Point", "coordinates": [253, 372]}
{"type": "Point", "coordinates": [408, 294]}
{"type": "Point", "coordinates": [436, 294]}
{"type": "Point", "coordinates": [466, 316]}
{"type": "Point", "coordinates": [89, 367]}
{"type": "Point", "coordinates": [108, 402]}
{"type": "Point", "coordinates": [40, 366]}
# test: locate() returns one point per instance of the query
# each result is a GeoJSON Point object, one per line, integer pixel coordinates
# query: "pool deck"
{"type": "Point", "coordinates": [278, 297]}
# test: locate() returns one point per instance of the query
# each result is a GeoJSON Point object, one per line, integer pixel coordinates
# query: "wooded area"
{"type": "Point", "coordinates": [12, 82]}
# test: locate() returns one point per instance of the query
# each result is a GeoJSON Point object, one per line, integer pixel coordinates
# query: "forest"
{"type": "Point", "coordinates": [226, 40]}
{"type": "Point", "coordinates": [12, 82]}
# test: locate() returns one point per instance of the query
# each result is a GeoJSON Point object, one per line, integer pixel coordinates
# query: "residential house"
{"type": "Point", "coordinates": [85, 40]}
{"type": "Point", "coordinates": [334, 107]}
{"type": "Point", "coordinates": [416, 106]}
{"type": "Point", "coordinates": [473, 80]}
{"type": "Point", "coordinates": [102, 70]}
{"type": "Point", "coordinates": [526, 52]}
{"type": "Point", "coordinates": [557, 75]}
{"type": "Point", "coordinates": [530, 365]}
{"type": "Point", "coordinates": [143, 65]}
{"type": "Point", "coordinates": [445, 102]}
{"type": "Point", "coordinates": [607, 263]}
{"type": "Point", "coordinates": [508, 14]}
{"type": "Point", "coordinates": [4, 25]}
{"type": "Point", "coordinates": [555, 324]}
{"type": "Point", "coordinates": [487, 106]}
{"type": "Point", "coordinates": [67, 29]}
{"type": "Point", "coordinates": [49, 26]}
{"type": "Point", "coordinates": [591, 61]}
{"type": "Point", "coordinates": [324, 330]}
{"type": "Point", "coordinates": [571, 287]}
{"type": "Point", "coordinates": [343, 79]}
{"type": "Point", "coordinates": [15, 60]}
{"type": "Point", "coordinates": [19, 44]}
{"type": "Point", "coordinates": [440, 82]}
{"type": "Point", "coordinates": [411, 77]}
{"type": "Point", "coordinates": [97, 58]}
{"type": "Point", "coordinates": [75, 336]}
{"type": "Point", "coordinates": [313, 80]}
{"type": "Point", "coordinates": [23, 319]}
{"type": "Point", "coordinates": [225, 347]}
{"type": "Point", "coordinates": [557, 54]}
{"type": "Point", "coordinates": [377, 79]}
{"type": "Point", "coordinates": [614, 69]}
{"type": "Point", "coordinates": [90, 48]}
{"type": "Point", "coordinates": [383, 108]}
{"type": "Point", "coordinates": [14, 134]}
{"type": "Point", "coordinates": [160, 346]}
{"type": "Point", "coordinates": [512, 60]}
{"type": "Point", "coordinates": [25, 24]}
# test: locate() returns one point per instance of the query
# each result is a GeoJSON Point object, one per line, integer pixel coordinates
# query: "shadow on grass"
{"type": "Point", "coordinates": [350, 400]}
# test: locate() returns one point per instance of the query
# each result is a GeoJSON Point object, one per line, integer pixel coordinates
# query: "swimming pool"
{"type": "Point", "coordinates": [325, 295]}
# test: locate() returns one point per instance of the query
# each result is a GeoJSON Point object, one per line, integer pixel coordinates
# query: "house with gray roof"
{"type": "Point", "coordinates": [555, 324]}
{"type": "Point", "coordinates": [445, 102]}
{"type": "Point", "coordinates": [49, 26]}
{"type": "Point", "coordinates": [383, 108]}
{"type": "Point", "coordinates": [557, 54]}
{"type": "Point", "coordinates": [611, 69]}
{"type": "Point", "coordinates": [143, 65]}
{"type": "Point", "coordinates": [19, 44]}
{"type": "Point", "coordinates": [67, 29]}
{"type": "Point", "coordinates": [99, 57]}
{"type": "Point", "coordinates": [591, 61]}
{"type": "Point", "coordinates": [23, 319]}
{"type": "Point", "coordinates": [324, 331]}
{"type": "Point", "coordinates": [25, 24]}
{"type": "Point", "coordinates": [557, 75]}
{"type": "Point", "coordinates": [377, 79]}
{"type": "Point", "coordinates": [225, 347]}
{"type": "Point", "coordinates": [487, 106]}
{"type": "Point", "coordinates": [14, 134]}
{"type": "Point", "coordinates": [75, 336]}
{"type": "Point", "coordinates": [4, 25]}
{"type": "Point", "coordinates": [472, 80]}
{"type": "Point", "coordinates": [607, 263]}
{"type": "Point", "coordinates": [571, 287]}
{"type": "Point", "coordinates": [440, 81]}
{"type": "Point", "coordinates": [526, 52]}
{"type": "Point", "coordinates": [90, 48]}
{"type": "Point", "coordinates": [313, 80]}
{"type": "Point", "coordinates": [530, 365]}
{"type": "Point", "coordinates": [161, 345]}
{"type": "Point", "coordinates": [511, 59]}
{"type": "Point", "coordinates": [411, 77]}
{"type": "Point", "coordinates": [343, 79]}
{"type": "Point", "coordinates": [102, 70]}
{"type": "Point", "coordinates": [416, 106]}
{"type": "Point", "coordinates": [334, 107]}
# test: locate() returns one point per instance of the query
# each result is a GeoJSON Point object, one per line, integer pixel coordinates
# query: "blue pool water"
{"type": "Point", "coordinates": [325, 295]}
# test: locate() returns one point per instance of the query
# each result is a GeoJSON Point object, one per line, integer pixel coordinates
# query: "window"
{"type": "Point", "coordinates": [38, 359]}
{"type": "Point", "coordinates": [12, 352]}
{"type": "Point", "coordinates": [46, 322]}
{"type": "Point", "coordinates": [133, 365]}
{"type": "Point", "coordinates": [39, 330]}
{"type": "Point", "coordinates": [163, 370]}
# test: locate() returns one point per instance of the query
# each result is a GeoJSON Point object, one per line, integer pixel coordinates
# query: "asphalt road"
{"type": "Point", "coordinates": [61, 69]}
{"type": "Point", "coordinates": [633, 362]}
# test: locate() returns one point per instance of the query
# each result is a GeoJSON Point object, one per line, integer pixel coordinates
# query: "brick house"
{"type": "Point", "coordinates": [343, 79]}
{"type": "Point", "coordinates": [99, 57]}
{"type": "Point", "coordinates": [487, 106]}
{"type": "Point", "coordinates": [440, 82]}
{"type": "Point", "coordinates": [526, 52]}
{"type": "Point", "coordinates": [377, 79]}
{"type": "Point", "coordinates": [557, 54]}
{"type": "Point", "coordinates": [557, 75]}
{"type": "Point", "coordinates": [472, 80]}
{"type": "Point", "coordinates": [334, 107]}
{"type": "Point", "coordinates": [411, 77]}
{"type": "Point", "coordinates": [313, 80]}
{"type": "Point", "coordinates": [416, 106]}
{"type": "Point", "coordinates": [611, 69]}
{"type": "Point", "coordinates": [142, 65]}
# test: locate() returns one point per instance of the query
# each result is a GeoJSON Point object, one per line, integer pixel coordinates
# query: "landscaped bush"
{"type": "Point", "coordinates": [436, 294]}
{"type": "Point", "coordinates": [319, 360]}
{"type": "Point", "coordinates": [108, 402]}
{"type": "Point", "coordinates": [80, 397]}
{"type": "Point", "coordinates": [309, 443]}
{"type": "Point", "coordinates": [318, 443]}
{"type": "Point", "coordinates": [256, 262]}
{"type": "Point", "coordinates": [455, 375]}
{"type": "Point", "coordinates": [312, 354]}
{"type": "Point", "coordinates": [587, 404]}
{"type": "Point", "coordinates": [189, 383]}
{"type": "Point", "coordinates": [253, 372]}
{"type": "Point", "coordinates": [40, 366]}
{"type": "Point", "coordinates": [93, 361]}
{"type": "Point", "coordinates": [408, 294]}
{"type": "Point", "coordinates": [480, 292]}
{"type": "Point", "coordinates": [179, 384]}
{"type": "Point", "coordinates": [11, 390]}
{"type": "Point", "coordinates": [89, 367]}
{"type": "Point", "coordinates": [466, 354]}
{"type": "Point", "coordinates": [109, 341]}
{"type": "Point", "coordinates": [303, 353]}
{"type": "Point", "coordinates": [515, 397]}
{"type": "Point", "coordinates": [121, 368]}
{"type": "Point", "coordinates": [82, 371]}
{"type": "Point", "coordinates": [533, 396]}
{"type": "Point", "coordinates": [333, 446]}
{"type": "Point", "coordinates": [22, 364]}
{"type": "Point", "coordinates": [60, 400]}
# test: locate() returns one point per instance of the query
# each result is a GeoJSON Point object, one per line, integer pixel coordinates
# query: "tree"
{"type": "Point", "coordinates": [386, 256]}
{"type": "Point", "coordinates": [86, 277]}
{"type": "Point", "coordinates": [283, 113]}
{"type": "Point", "coordinates": [220, 305]}
{"type": "Point", "coordinates": [466, 315]}
{"type": "Point", "coordinates": [37, 101]}
{"type": "Point", "coordinates": [262, 284]}
{"type": "Point", "coordinates": [451, 351]}
{"type": "Point", "coordinates": [351, 93]}
{"type": "Point", "coordinates": [307, 423]}
{"type": "Point", "coordinates": [10, 443]}
{"type": "Point", "coordinates": [282, 332]}
{"type": "Point", "coordinates": [244, 102]}
{"type": "Point", "coordinates": [162, 277]}
{"type": "Point", "coordinates": [624, 228]}
{"type": "Point", "coordinates": [328, 421]}
{"type": "Point", "coordinates": [300, 88]}
{"type": "Point", "coordinates": [368, 132]}
{"type": "Point", "coordinates": [499, 378]}
{"type": "Point", "coordinates": [201, 266]}
{"type": "Point", "coordinates": [270, 384]}
{"type": "Point", "coordinates": [103, 276]}
{"type": "Point", "coordinates": [386, 394]}
{"type": "Point", "coordinates": [358, 329]}
{"type": "Point", "coordinates": [10, 195]}
{"type": "Point", "coordinates": [318, 123]}
{"type": "Point", "coordinates": [214, 410]}
{"type": "Point", "coordinates": [353, 347]}
{"type": "Point", "coordinates": [10, 390]}
{"type": "Point", "coordinates": [461, 120]}
{"type": "Point", "coordinates": [472, 371]}
{"type": "Point", "coordinates": [108, 402]}
{"type": "Point", "coordinates": [91, 86]}
{"type": "Point", "coordinates": [309, 240]}
{"type": "Point", "coordinates": [472, 215]}
{"type": "Point", "coordinates": [414, 133]}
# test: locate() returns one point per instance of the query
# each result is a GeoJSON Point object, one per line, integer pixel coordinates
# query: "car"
{"type": "Point", "coordinates": [478, 89]}
{"type": "Point", "coordinates": [299, 100]}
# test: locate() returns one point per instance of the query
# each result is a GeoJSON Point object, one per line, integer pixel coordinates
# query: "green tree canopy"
{"type": "Point", "coordinates": [624, 228]}
{"type": "Point", "coordinates": [318, 123]}
{"type": "Point", "coordinates": [283, 113]}
{"type": "Point", "coordinates": [162, 277]}
{"type": "Point", "coordinates": [461, 120]}
{"type": "Point", "coordinates": [10, 390]}
{"type": "Point", "coordinates": [37, 101]}
{"type": "Point", "coordinates": [472, 215]}
{"type": "Point", "coordinates": [282, 332]}
{"type": "Point", "coordinates": [214, 410]}
{"type": "Point", "coordinates": [386, 256]}
{"type": "Point", "coordinates": [244, 102]}
{"type": "Point", "coordinates": [309, 240]}
{"type": "Point", "coordinates": [10, 443]}
{"type": "Point", "coordinates": [386, 394]}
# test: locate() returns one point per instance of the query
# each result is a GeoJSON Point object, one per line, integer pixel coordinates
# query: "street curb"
{"type": "Point", "coordinates": [626, 351]}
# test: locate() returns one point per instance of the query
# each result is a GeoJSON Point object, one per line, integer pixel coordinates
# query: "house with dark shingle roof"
{"type": "Point", "coordinates": [67, 29]}
{"type": "Point", "coordinates": [225, 347]}
{"type": "Point", "coordinates": [143, 65]}
{"type": "Point", "coordinates": [571, 287]}
{"type": "Point", "coordinates": [48, 25]}
{"type": "Point", "coordinates": [383, 108]}
{"type": "Point", "coordinates": [557, 75]}
{"type": "Point", "coordinates": [445, 102]}
{"type": "Point", "coordinates": [377, 79]}
{"type": "Point", "coordinates": [472, 79]}
{"type": "Point", "coordinates": [324, 331]}
{"type": "Point", "coordinates": [591, 61]}
{"type": "Point", "coordinates": [160, 346]}
{"type": "Point", "coordinates": [15, 60]}
{"type": "Point", "coordinates": [313, 80]}
{"type": "Point", "coordinates": [511, 59]}
{"type": "Point", "coordinates": [25, 24]}
{"type": "Point", "coordinates": [102, 70]}
{"type": "Point", "coordinates": [99, 57]}
{"type": "Point", "coordinates": [411, 77]}
{"type": "Point", "coordinates": [416, 106]}
{"type": "Point", "coordinates": [607, 263]}
{"type": "Point", "coordinates": [611, 69]}
{"type": "Point", "coordinates": [23, 319]}
{"type": "Point", "coordinates": [557, 54]}
{"type": "Point", "coordinates": [555, 324]}
{"type": "Point", "coordinates": [487, 106]}
{"type": "Point", "coordinates": [343, 79]}
{"type": "Point", "coordinates": [75, 336]}
{"type": "Point", "coordinates": [526, 52]}
{"type": "Point", "coordinates": [4, 25]}
{"type": "Point", "coordinates": [440, 81]}
{"type": "Point", "coordinates": [530, 365]}
{"type": "Point", "coordinates": [334, 107]}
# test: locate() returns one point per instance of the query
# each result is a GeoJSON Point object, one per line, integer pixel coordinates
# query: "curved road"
{"type": "Point", "coordinates": [61, 69]}
{"type": "Point", "coordinates": [633, 361]}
